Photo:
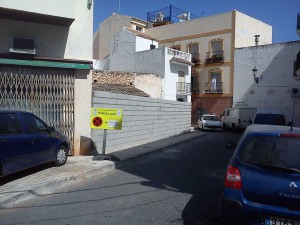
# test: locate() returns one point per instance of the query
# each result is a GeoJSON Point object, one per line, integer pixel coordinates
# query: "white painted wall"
{"type": "Point", "coordinates": [107, 30]}
{"type": "Point", "coordinates": [125, 58]}
{"type": "Point", "coordinates": [143, 44]}
{"type": "Point", "coordinates": [275, 64]}
{"type": "Point", "coordinates": [144, 120]}
{"type": "Point", "coordinates": [247, 27]}
{"type": "Point", "coordinates": [66, 8]}
{"type": "Point", "coordinates": [52, 40]}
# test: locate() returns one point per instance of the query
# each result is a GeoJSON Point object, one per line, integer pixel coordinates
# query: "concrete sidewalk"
{"type": "Point", "coordinates": [14, 189]}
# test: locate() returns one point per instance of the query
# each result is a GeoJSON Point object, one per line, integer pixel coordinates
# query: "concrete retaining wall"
{"type": "Point", "coordinates": [144, 120]}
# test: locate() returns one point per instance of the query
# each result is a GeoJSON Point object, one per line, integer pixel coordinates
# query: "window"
{"type": "Point", "coordinates": [215, 81]}
{"type": "Point", "coordinates": [139, 28]}
{"type": "Point", "coordinates": [216, 48]}
{"type": "Point", "coordinates": [193, 49]}
{"type": "Point", "coordinates": [181, 76]}
{"type": "Point", "coordinates": [268, 151]}
{"type": "Point", "coordinates": [10, 124]}
{"type": "Point", "coordinates": [33, 124]}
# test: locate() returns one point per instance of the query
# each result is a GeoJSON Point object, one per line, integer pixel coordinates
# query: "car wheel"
{"type": "Point", "coordinates": [61, 156]}
{"type": "Point", "coordinates": [202, 127]}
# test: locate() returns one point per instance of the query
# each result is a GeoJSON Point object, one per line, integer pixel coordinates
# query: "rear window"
{"type": "Point", "coordinates": [10, 124]}
{"type": "Point", "coordinates": [214, 118]}
{"type": "Point", "coordinates": [272, 119]}
{"type": "Point", "coordinates": [271, 151]}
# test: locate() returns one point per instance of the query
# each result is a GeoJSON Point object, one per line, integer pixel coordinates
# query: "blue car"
{"type": "Point", "coordinates": [27, 141]}
{"type": "Point", "coordinates": [262, 183]}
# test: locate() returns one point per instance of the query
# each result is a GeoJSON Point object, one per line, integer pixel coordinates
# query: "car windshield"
{"type": "Point", "coordinates": [214, 118]}
{"type": "Point", "coordinates": [280, 152]}
{"type": "Point", "coordinates": [273, 119]}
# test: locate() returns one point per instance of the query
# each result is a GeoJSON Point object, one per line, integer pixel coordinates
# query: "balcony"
{"type": "Point", "coordinates": [180, 57]}
{"type": "Point", "coordinates": [183, 88]}
{"type": "Point", "coordinates": [196, 58]}
{"type": "Point", "coordinates": [214, 57]}
{"type": "Point", "coordinates": [214, 87]}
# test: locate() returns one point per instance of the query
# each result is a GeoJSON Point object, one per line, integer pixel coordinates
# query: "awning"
{"type": "Point", "coordinates": [54, 64]}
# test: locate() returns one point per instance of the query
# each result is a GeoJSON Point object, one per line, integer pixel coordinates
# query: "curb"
{"type": "Point", "coordinates": [96, 169]}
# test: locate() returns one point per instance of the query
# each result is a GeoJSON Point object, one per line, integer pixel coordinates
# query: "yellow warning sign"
{"type": "Point", "coordinates": [103, 118]}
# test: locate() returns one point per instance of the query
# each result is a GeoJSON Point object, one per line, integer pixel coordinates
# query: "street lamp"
{"type": "Point", "coordinates": [254, 71]}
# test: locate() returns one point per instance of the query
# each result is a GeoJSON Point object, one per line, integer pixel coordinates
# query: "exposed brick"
{"type": "Point", "coordinates": [211, 105]}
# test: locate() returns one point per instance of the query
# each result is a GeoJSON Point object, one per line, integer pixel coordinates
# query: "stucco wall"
{"type": "Point", "coordinates": [190, 27]}
{"type": "Point", "coordinates": [52, 40]}
{"type": "Point", "coordinates": [108, 29]}
{"type": "Point", "coordinates": [275, 64]}
{"type": "Point", "coordinates": [144, 120]}
{"type": "Point", "coordinates": [66, 8]}
{"type": "Point", "coordinates": [247, 27]}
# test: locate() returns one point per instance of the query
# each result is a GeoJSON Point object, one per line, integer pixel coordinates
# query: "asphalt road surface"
{"type": "Point", "coordinates": [181, 185]}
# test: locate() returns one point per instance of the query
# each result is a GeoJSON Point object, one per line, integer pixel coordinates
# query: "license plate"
{"type": "Point", "coordinates": [280, 221]}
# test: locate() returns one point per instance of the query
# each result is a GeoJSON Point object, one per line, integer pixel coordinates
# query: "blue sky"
{"type": "Point", "coordinates": [280, 14]}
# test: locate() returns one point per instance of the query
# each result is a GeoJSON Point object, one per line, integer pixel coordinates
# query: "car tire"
{"type": "Point", "coordinates": [61, 156]}
{"type": "Point", "coordinates": [202, 127]}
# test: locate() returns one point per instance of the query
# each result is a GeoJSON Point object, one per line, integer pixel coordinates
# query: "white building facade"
{"type": "Point", "coordinates": [45, 56]}
{"type": "Point", "coordinates": [133, 51]}
{"type": "Point", "coordinates": [275, 78]}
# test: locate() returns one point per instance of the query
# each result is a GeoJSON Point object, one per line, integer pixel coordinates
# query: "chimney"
{"type": "Point", "coordinates": [256, 39]}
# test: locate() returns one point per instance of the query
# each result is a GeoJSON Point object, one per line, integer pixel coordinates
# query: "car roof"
{"type": "Point", "coordinates": [12, 111]}
{"type": "Point", "coordinates": [208, 115]}
{"type": "Point", "coordinates": [274, 129]}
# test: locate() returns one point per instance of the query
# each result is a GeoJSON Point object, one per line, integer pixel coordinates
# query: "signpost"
{"type": "Point", "coordinates": [105, 119]}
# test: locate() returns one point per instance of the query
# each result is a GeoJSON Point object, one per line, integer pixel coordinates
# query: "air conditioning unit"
{"type": "Point", "coordinates": [22, 46]}
{"type": "Point", "coordinates": [295, 93]}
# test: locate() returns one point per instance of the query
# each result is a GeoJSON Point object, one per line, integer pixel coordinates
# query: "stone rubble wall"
{"type": "Point", "coordinates": [146, 82]}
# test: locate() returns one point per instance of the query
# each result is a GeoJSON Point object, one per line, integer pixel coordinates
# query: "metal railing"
{"type": "Point", "coordinates": [214, 87]}
{"type": "Point", "coordinates": [196, 58]}
{"type": "Point", "coordinates": [183, 88]}
{"type": "Point", "coordinates": [214, 57]}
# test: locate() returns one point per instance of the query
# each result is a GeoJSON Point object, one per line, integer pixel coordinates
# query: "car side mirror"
{"type": "Point", "coordinates": [51, 129]}
{"type": "Point", "coordinates": [230, 145]}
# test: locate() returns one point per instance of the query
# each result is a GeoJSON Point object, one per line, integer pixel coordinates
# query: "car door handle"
{"type": "Point", "coordinates": [3, 141]}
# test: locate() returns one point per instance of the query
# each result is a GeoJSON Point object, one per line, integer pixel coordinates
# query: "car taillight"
{"type": "Point", "coordinates": [233, 178]}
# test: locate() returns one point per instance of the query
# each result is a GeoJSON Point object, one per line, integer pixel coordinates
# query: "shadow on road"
{"type": "Point", "coordinates": [196, 167]}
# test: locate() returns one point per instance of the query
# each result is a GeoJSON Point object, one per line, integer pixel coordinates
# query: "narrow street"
{"type": "Point", "coordinates": [179, 186]}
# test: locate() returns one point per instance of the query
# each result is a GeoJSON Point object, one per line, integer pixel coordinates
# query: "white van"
{"type": "Point", "coordinates": [237, 118]}
{"type": "Point", "coordinates": [269, 116]}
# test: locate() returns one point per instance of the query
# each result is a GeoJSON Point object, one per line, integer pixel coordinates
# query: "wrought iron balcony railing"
{"type": "Point", "coordinates": [196, 58]}
{"type": "Point", "coordinates": [183, 88]}
{"type": "Point", "coordinates": [214, 87]}
{"type": "Point", "coordinates": [214, 57]}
